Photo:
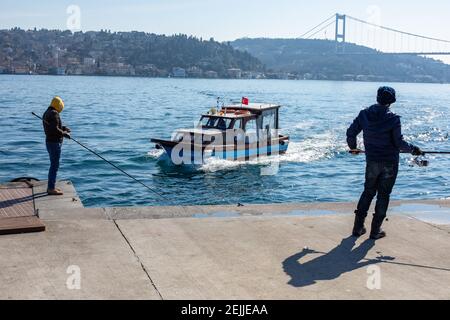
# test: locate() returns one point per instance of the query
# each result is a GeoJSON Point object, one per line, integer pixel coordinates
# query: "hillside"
{"type": "Point", "coordinates": [317, 59]}
{"type": "Point", "coordinates": [119, 53]}
{"type": "Point", "coordinates": [145, 54]}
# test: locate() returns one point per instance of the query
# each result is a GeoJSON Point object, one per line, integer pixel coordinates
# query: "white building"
{"type": "Point", "coordinates": [234, 73]}
{"type": "Point", "coordinates": [89, 61]}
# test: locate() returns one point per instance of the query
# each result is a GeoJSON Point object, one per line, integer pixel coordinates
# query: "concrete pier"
{"type": "Point", "coordinates": [285, 251]}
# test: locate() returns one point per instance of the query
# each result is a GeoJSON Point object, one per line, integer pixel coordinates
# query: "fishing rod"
{"type": "Point", "coordinates": [404, 152]}
{"type": "Point", "coordinates": [418, 160]}
{"type": "Point", "coordinates": [109, 162]}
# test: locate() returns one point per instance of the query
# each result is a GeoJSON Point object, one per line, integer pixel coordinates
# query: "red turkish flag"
{"type": "Point", "coordinates": [245, 101]}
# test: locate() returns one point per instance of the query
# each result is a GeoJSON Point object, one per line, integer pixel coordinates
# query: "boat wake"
{"type": "Point", "coordinates": [315, 148]}
{"type": "Point", "coordinates": [155, 153]}
{"type": "Point", "coordinates": [323, 146]}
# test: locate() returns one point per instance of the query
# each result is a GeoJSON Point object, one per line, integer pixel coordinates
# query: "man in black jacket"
{"type": "Point", "coordinates": [54, 134]}
{"type": "Point", "coordinates": [383, 142]}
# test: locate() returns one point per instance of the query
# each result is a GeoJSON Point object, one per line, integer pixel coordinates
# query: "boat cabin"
{"type": "Point", "coordinates": [246, 117]}
{"type": "Point", "coordinates": [255, 134]}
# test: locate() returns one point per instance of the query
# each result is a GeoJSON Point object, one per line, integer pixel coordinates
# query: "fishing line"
{"type": "Point", "coordinates": [110, 163]}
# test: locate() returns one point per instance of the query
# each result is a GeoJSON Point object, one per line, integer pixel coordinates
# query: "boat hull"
{"type": "Point", "coordinates": [180, 153]}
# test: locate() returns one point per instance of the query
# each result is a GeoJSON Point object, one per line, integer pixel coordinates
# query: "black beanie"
{"type": "Point", "coordinates": [386, 95]}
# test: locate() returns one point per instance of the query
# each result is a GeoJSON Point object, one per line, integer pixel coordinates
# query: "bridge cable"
{"type": "Point", "coordinates": [329, 24]}
{"type": "Point", "coordinates": [319, 25]}
{"type": "Point", "coordinates": [398, 31]}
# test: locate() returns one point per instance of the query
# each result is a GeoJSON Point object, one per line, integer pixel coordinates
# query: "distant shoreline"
{"type": "Point", "coordinates": [189, 78]}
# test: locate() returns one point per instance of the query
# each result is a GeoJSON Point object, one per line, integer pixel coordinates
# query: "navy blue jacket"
{"type": "Point", "coordinates": [382, 129]}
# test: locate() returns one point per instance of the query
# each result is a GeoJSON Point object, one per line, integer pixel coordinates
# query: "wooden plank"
{"type": "Point", "coordinates": [17, 225]}
{"type": "Point", "coordinates": [16, 202]}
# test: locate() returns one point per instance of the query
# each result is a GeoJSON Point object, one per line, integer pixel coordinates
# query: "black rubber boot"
{"type": "Point", "coordinates": [358, 226]}
{"type": "Point", "coordinates": [376, 233]}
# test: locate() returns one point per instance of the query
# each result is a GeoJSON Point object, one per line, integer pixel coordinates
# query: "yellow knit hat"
{"type": "Point", "coordinates": [58, 104]}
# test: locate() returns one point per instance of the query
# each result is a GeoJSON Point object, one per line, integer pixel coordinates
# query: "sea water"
{"type": "Point", "coordinates": [117, 117]}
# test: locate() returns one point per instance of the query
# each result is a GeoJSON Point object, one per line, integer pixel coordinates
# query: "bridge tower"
{"type": "Point", "coordinates": [340, 32]}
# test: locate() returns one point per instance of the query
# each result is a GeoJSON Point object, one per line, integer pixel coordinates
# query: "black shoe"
{"type": "Point", "coordinates": [358, 227]}
{"type": "Point", "coordinates": [360, 232]}
{"type": "Point", "coordinates": [376, 233]}
{"type": "Point", "coordinates": [380, 235]}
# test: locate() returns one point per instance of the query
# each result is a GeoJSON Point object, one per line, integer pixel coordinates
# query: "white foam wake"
{"type": "Point", "coordinates": [155, 153]}
{"type": "Point", "coordinates": [315, 148]}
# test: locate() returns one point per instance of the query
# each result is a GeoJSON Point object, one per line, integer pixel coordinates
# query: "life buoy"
{"type": "Point", "coordinates": [241, 112]}
{"type": "Point", "coordinates": [227, 110]}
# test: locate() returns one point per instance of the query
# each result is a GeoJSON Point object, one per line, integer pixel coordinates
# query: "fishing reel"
{"type": "Point", "coordinates": [420, 161]}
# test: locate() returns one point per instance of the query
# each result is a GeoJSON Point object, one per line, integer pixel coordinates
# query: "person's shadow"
{"type": "Point", "coordinates": [329, 265]}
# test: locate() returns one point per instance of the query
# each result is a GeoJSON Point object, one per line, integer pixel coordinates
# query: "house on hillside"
{"type": "Point", "coordinates": [211, 74]}
{"type": "Point", "coordinates": [234, 73]}
{"type": "Point", "coordinates": [178, 72]}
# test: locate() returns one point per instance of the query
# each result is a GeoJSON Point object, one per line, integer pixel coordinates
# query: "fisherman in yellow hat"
{"type": "Point", "coordinates": [54, 134]}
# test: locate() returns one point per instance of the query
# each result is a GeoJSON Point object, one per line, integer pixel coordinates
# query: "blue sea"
{"type": "Point", "coordinates": [118, 116]}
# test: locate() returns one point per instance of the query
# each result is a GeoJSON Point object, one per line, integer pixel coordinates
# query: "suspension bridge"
{"type": "Point", "coordinates": [345, 29]}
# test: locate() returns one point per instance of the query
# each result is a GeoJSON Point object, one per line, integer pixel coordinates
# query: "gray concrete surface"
{"type": "Point", "coordinates": [35, 266]}
{"type": "Point", "coordinates": [69, 200]}
{"type": "Point", "coordinates": [295, 251]}
{"type": "Point", "coordinates": [264, 258]}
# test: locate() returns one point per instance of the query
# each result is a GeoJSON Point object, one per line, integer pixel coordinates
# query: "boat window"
{"type": "Point", "coordinates": [251, 132]}
{"type": "Point", "coordinates": [269, 121]}
{"type": "Point", "coordinates": [217, 123]}
{"type": "Point", "coordinates": [237, 124]}
{"type": "Point", "coordinates": [222, 124]}
{"type": "Point", "coordinates": [251, 125]}
{"type": "Point", "coordinates": [209, 122]}
{"type": "Point", "coordinates": [268, 124]}
{"type": "Point", "coordinates": [212, 122]}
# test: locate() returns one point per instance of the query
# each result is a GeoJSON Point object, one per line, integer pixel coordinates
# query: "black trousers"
{"type": "Point", "coordinates": [380, 180]}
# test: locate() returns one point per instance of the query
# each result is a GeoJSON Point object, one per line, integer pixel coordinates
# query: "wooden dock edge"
{"type": "Point", "coordinates": [18, 225]}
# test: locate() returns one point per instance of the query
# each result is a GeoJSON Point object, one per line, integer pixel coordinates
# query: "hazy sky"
{"type": "Point", "coordinates": [226, 19]}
